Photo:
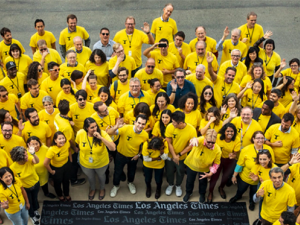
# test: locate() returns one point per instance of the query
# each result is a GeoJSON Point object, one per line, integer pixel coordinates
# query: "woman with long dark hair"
{"type": "Point", "coordinates": [287, 87]}
{"type": "Point", "coordinates": [36, 72]}
{"type": "Point", "coordinates": [161, 125]}
{"type": "Point", "coordinates": [67, 92]}
{"type": "Point", "coordinates": [252, 57]}
{"type": "Point", "coordinates": [207, 99]}
{"type": "Point", "coordinates": [104, 96]}
{"type": "Point", "coordinates": [6, 117]}
{"type": "Point", "coordinates": [93, 157]}
{"type": "Point", "coordinates": [162, 102]}
{"type": "Point", "coordinates": [230, 103]}
{"type": "Point", "coordinates": [211, 120]}
{"type": "Point", "coordinates": [155, 88]}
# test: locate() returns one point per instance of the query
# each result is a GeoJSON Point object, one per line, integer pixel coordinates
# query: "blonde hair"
{"type": "Point", "coordinates": [116, 46]}
{"type": "Point", "coordinates": [211, 134]}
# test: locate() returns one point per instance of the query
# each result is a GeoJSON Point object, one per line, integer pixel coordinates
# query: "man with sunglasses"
{"type": "Point", "coordinates": [9, 102]}
{"type": "Point", "coordinates": [83, 53]}
{"type": "Point", "coordinates": [52, 83]}
{"type": "Point", "coordinates": [44, 55]}
{"type": "Point", "coordinates": [105, 44]}
{"type": "Point", "coordinates": [148, 73]}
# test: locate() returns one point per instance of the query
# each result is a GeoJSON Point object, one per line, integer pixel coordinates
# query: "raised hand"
{"type": "Point", "coordinates": [268, 34]}
{"type": "Point", "coordinates": [283, 63]}
{"type": "Point", "coordinates": [226, 32]}
{"type": "Point", "coordinates": [209, 57]}
{"type": "Point", "coordinates": [260, 192]}
{"type": "Point", "coordinates": [146, 27]}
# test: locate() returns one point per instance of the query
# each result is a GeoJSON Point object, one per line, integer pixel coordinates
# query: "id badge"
{"type": "Point", "coordinates": [129, 53]}
{"type": "Point", "coordinates": [21, 206]}
{"type": "Point", "coordinates": [91, 160]}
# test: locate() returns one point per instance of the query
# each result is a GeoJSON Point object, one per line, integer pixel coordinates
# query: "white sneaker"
{"type": "Point", "coordinates": [114, 191]}
{"type": "Point", "coordinates": [35, 221]}
{"type": "Point", "coordinates": [132, 188]}
{"type": "Point", "coordinates": [169, 190]}
{"type": "Point", "coordinates": [37, 214]}
{"type": "Point", "coordinates": [178, 191]}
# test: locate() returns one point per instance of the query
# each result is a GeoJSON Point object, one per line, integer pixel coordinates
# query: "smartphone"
{"type": "Point", "coordinates": [162, 45]}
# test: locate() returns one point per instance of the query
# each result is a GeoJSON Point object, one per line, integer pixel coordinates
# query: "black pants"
{"type": "Point", "coordinates": [32, 194]}
{"type": "Point", "coordinates": [62, 177]}
{"type": "Point", "coordinates": [190, 180]}
{"type": "Point", "coordinates": [158, 174]}
{"type": "Point", "coordinates": [242, 188]}
{"type": "Point", "coordinates": [120, 162]}
{"type": "Point", "coordinates": [45, 188]}
{"type": "Point", "coordinates": [74, 167]}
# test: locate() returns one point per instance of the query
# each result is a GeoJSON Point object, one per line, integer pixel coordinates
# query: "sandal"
{"type": "Point", "coordinates": [91, 197]}
{"type": "Point", "coordinates": [62, 199]}
{"type": "Point", "coordinates": [101, 197]}
{"type": "Point", "coordinates": [68, 199]}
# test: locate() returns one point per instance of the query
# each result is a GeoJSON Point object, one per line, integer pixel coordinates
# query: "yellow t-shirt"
{"type": "Point", "coordinates": [48, 37]}
{"type": "Point", "coordinates": [211, 44]}
{"type": "Point", "coordinates": [40, 169]}
{"type": "Point", "coordinates": [247, 133]}
{"type": "Point", "coordinates": [7, 195]}
{"type": "Point", "coordinates": [120, 90]}
{"type": "Point", "coordinates": [293, 180]}
{"type": "Point", "coordinates": [153, 95]}
{"type": "Point", "coordinates": [222, 89]}
{"type": "Point", "coordinates": [5, 160]}
{"type": "Point", "coordinates": [241, 70]}
{"type": "Point", "coordinates": [154, 154]}
{"type": "Point", "coordinates": [271, 63]}
{"type": "Point", "coordinates": [10, 105]}
{"type": "Point", "coordinates": [253, 34]}
{"type": "Point", "coordinates": [193, 118]}
{"type": "Point", "coordinates": [156, 130]}
{"type": "Point", "coordinates": [192, 61]}
{"type": "Point", "coordinates": [63, 125]}
{"type": "Point", "coordinates": [287, 98]}
{"type": "Point", "coordinates": [83, 56]}
{"type": "Point", "coordinates": [248, 78]}
{"type": "Point", "coordinates": [228, 47]}
{"type": "Point", "coordinates": [66, 37]}
{"type": "Point", "coordinates": [58, 155]}
{"type": "Point", "coordinates": [41, 79]}
{"type": "Point", "coordinates": [66, 71]}
{"type": "Point", "coordinates": [168, 62]}
{"type": "Point", "coordinates": [290, 140]}
{"type": "Point", "coordinates": [217, 128]}
{"type": "Point", "coordinates": [129, 142]}
{"type": "Point", "coordinates": [180, 137]}
{"type": "Point", "coordinates": [100, 71]}
{"type": "Point", "coordinates": [185, 51]}
{"type": "Point", "coordinates": [52, 87]}
{"type": "Point", "coordinates": [199, 84]}
{"type": "Point", "coordinates": [69, 97]}
{"type": "Point", "coordinates": [92, 156]}
{"type": "Point", "coordinates": [14, 141]}
{"type": "Point", "coordinates": [228, 147]}
{"type": "Point", "coordinates": [158, 113]}
{"type": "Point", "coordinates": [27, 101]}
{"type": "Point", "coordinates": [26, 172]}
{"type": "Point", "coordinates": [263, 121]}
{"type": "Point", "coordinates": [132, 44]}
{"type": "Point", "coordinates": [144, 77]}
{"type": "Point", "coordinates": [42, 131]}
{"type": "Point", "coordinates": [49, 118]}
{"type": "Point", "coordinates": [22, 63]}
{"type": "Point", "coordinates": [53, 56]}
{"type": "Point", "coordinates": [92, 94]}
{"type": "Point", "coordinates": [4, 49]}
{"type": "Point", "coordinates": [164, 29]}
{"type": "Point", "coordinates": [261, 172]}
{"type": "Point", "coordinates": [288, 72]}
{"type": "Point", "coordinates": [275, 201]}
{"type": "Point", "coordinates": [15, 85]}
{"type": "Point", "coordinates": [79, 115]}
{"type": "Point", "coordinates": [128, 63]}
{"type": "Point", "coordinates": [201, 158]}
{"type": "Point", "coordinates": [252, 100]}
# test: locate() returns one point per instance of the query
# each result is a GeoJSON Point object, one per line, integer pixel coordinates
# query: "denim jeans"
{"type": "Point", "coordinates": [18, 218]}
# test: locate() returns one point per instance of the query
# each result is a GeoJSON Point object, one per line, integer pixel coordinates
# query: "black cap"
{"type": "Point", "coordinates": [10, 65]}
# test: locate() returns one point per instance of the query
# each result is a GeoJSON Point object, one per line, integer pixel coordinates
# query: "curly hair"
{"type": "Point", "coordinates": [33, 71]}
{"type": "Point", "coordinates": [17, 154]}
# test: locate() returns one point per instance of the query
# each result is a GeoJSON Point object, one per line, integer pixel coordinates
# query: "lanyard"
{"type": "Point", "coordinates": [198, 59]}
{"type": "Point", "coordinates": [253, 104]}
{"type": "Point", "coordinates": [251, 34]}
{"type": "Point", "coordinates": [134, 101]}
{"type": "Point", "coordinates": [16, 194]}
{"type": "Point", "coordinates": [225, 93]}
{"type": "Point", "coordinates": [91, 145]}
{"type": "Point", "coordinates": [17, 86]}
{"type": "Point", "coordinates": [18, 67]}
{"type": "Point", "coordinates": [242, 135]}
{"type": "Point", "coordinates": [266, 58]}
{"type": "Point", "coordinates": [129, 40]}
{"type": "Point", "coordinates": [109, 121]}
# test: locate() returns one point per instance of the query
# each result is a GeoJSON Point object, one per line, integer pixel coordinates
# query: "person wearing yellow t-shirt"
{"type": "Point", "coordinates": [241, 69]}
{"type": "Point", "coordinates": [13, 203]}
{"type": "Point", "coordinates": [293, 71]}
{"type": "Point", "coordinates": [14, 81]}
{"type": "Point", "coordinates": [120, 86]}
{"type": "Point", "coordinates": [211, 43]}
{"type": "Point", "coordinates": [155, 152]}
{"type": "Point", "coordinates": [89, 84]}
{"type": "Point", "coordinates": [67, 92]}
{"type": "Point", "coordinates": [67, 35]}
{"type": "Point", "coordinates": [82, 53]}
{"type": "Point", "coordinates": [277, 196]}
{"type": "Point", "coordinates": [6, 43]}
{"type": "Point", "coordinates": [287, 218]}
{"type": "Point", "coordinates": [68, 67]}
{"type": "Point", "coordinates": [179, 48]}
{"type": "Point", "coordinates": [164, 26]}
{"type": "Point", "coordinates": [205, 159]}
{"type": "Point", "coordinates": [104, 96]}
{"type": "Point", "coordinates": [148, 73]}
{"type": "Point", "coordinates": [98, 64]}
{"type": "Point", "coordinates": [211, 120]}
{"type": "Point", "coordinates": [133, 39]}
{"type": "Point", "coordinates": [227, 46]}
{"type": "Point", "coordinates": [162, 102]}
{"type": "Point", "coordinates": [41, 33]}
{"type": "Point", "coordinates": [283, 138]}
{"type": "Point", "coordinates": [36, 71]}
{"type": "Point", "coordinates": [9, 102]}
{"type": "Point", "coordinates": [129, 151]}
{"type": "Point", "coordinates": [178, 134]}
{"type": "Point", "coordinates": [155, 89]}
{"type": "Point", "coordinates": [5, 160]}
{"type": "Point", "coordinates": [46, 55]}
{"type": "Point", "coordinates": [33, 98]}
{"type": "Point", "coordinates": [58, 165]}
{"type": "Point", "coordinates": [23, 168]}
{"type": "Point", "coordinates": [160, 126]}
{"type": "Point", "coordinates": [35, 127]}
{"type": "Point", "coordinates": [251, 31]}
{"type": "Point", "coordinates": [93, 157]}
{"type": "Point", "coordinates": [121, 60]}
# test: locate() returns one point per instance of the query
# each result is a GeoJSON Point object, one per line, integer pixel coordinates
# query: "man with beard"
{"type": "Point", "coordinates": [33, 127]}
{"type": "Point", "coordinates": [8, 140]}
{"type": "Point", "coordinates": [14, 81]}
{"type": "Point", "coordinates": [120, 86]}
{"type": "Point", "coordinates": [6, 43]}
{"type": "Point", "coordinates": [148, 73]}
{"type": "Point", "coordinates": [83, 53]}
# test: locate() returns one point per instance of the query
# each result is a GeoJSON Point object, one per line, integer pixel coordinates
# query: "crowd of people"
{"type": "Point", "coordinates": [182, 114]}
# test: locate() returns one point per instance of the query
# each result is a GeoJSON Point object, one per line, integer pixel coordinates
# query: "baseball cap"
{"type": "Point", "coordinates": [10, 65]}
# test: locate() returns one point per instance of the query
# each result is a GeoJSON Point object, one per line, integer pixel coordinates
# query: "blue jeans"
{"type": "Point", "coordinates": [19, 218]}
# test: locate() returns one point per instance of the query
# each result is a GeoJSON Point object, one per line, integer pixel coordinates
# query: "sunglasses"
{"type": "Point", "coordinates": [264, 151]}
{"type": "Point", "coordinates": [81, 99]}
{"type": "Point", "coordinates": [207, 93]}
{"type": "Point", "coordinates": [210, 142]}
{"type": "Point", "coordinates": [40, 70]}
{"type": "Point", "coordinates": [105, 34]}
{"type": "Point", "coordinates": [180, 77]}
{"type": "Point", "coordinates": [56, 70]}
{"type": "Point", "coordinates": [43, 49]}
{"type": "Point", "coordinates": [151, 67]}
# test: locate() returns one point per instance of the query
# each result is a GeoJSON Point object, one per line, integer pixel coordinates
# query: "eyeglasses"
{"type": "Point", "coordinates": [235, 56]}
{"type": "Point", "coordinates": [56, 70]}
{"type": "Point", "coordinates": [40, 70]}
{"type": "Point", "coordinates": [135, 86]}
{"type": "Point", "coordinates": [6, 131]}
{"type": "Point", "coordinates": [120, 51]}
{"type": "Point", "coordinates": [43, 49]}
{"type": "Point", "coordinates": [105, 34]}
{"type": "Point", "coordinates": [151, 67]}
{"type": "Point", "coordinates": [210, 142]}
{"type": "Point", "coordinates": [293, 65]}
{"type": "Point", "coordinates": [66, 88]}
{"type": "Point", "coordinates": [3, 96]}
{"type": "Point", "coordinates": [130, 24]}
{"type": "Point", "coordinates": [207, 93]}
{"type": "Point", "coordinates": [81, 99]}
{"type": "Point", "coordinates": [264, 151]}
{"type": "Point", "coordinates": [180, 77]}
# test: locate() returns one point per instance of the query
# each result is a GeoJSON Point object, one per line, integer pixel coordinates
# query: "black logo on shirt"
{"type": "Point", "coordinates": [2, 147]}
{"type": "Point", "coordinates": [50, 88]}
{"type": "Point", "coordinates": [201, 153]}
{"type": "Point", "coordinates": [239, 130]}
{"type": "Point", "coordinates": [259, 173]}
{"type": "Point", "coordinates": [69, 74]}
{"type": "Point", "coordinates": [12, 86]}
{"type": "Point", "coordinates": [119, 92]}
{"type": "Point", "coordinates": [76, 117]}
{"type": "Point", "coordinates": [293, 180]}
{"type": "Point", "coordinates": [83, 144]}
{"type": "Point", "coordinates": [159, 61]}
{"type": "Point", "coordinates": [18, 174]}
{"type": "Point", "coordinates": [5, 53]}
{"type": "Point", "coordinates": [196, 63]}
{"type": "Point", "coordinates": [58, 154]}
{"type": "Point", "coordinates": [69, 38]}
{"type": "Point", "coordinates": [28, 133]}
{"type": "Point", "coordinates": [101, 124]}
{"type": "Point", "coordinates": [145, 81]}
{"type": "Point", "coordinates": [31, 105]}
{"type": "Point", "coordinates": [47, 121]}
{"type": "Point", "coordinates": [276, 136]}
{"type": "Point", "coordinates": [229, 50]}
{"type": "Point", "coordinates": [128, 138]}
{"type": "Point", "coordinates": [124, 42]}
{"type": "Point", "coordinates": [247, 35]}
{"type": "Point", "coordinates": [132, 106]}
{"type": "Point", "coordinates": [159, 28]}
{"type": "Point", "coordinates": [12, 197]}
{"type": "Point", "coordinates": [249, 99]}
{"type": "Point", "coordinates": [91, 97]}
{"type": "Point", "coordinates": [223, 88]}
{"type": "Point", "coordinates": [174, 135]}
{"type": "Point", "coordinates": [269, 194]}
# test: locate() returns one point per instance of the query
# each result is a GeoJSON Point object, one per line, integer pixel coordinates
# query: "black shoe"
{"type": "Point", "coordinates": [210, 198]}
{"type": "Point", "coordinates": [148, 192]}
{"type": "Point", "coordinates": [234, 199]}
{"type": "Point", "coordinates": [252, 206]}
{"type": "Point", "coordinates": [202, 198]}
{"type": "Point", "coordinates": [157, 193]}
{"type": "Point", "coordinates": [186, 198]}
{"type": "Point", "coordinates": [78, 182]}
{"type": "Point", "coordinates": [222, 195]}
{"type": "Point", "coordinates": [123, 177]}
{"type": "Point", "coordinates": [50, 195]}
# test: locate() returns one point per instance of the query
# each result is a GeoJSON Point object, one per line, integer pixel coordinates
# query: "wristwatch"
{"type": "Point", "coordinates": [179, 153]}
